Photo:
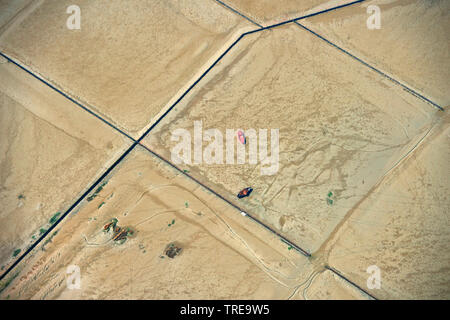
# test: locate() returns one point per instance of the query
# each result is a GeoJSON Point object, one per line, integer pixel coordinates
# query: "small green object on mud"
{"type": "Point", "coordinates": [54, 218]}
{"type": "Point", "coordinates": [330, 201]}
{"type": "Point", "coordinates": [16, 252]}
{"type": "Point", "coordinates": [99, 189]}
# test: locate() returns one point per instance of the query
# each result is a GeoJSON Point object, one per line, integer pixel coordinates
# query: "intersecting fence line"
{"type": "Point", "coordinates": [111, 168]}
{"type": "Point", "coordinates": [238, 13]}
{"type": "Point", "coordinates": [261, 28]}
{"type": "Point", "coordinates": [65, 95]}
{"type": "Point", "coordinates": [295, 20]}
{"type": "Point", "coordinates": [305, 16]}
{"type": "Point", "coordinates": [409, 90]}
{"type": "Point", "coordinates": [136, 142]}
{"type": "Point", "coordinates": [68, 211]}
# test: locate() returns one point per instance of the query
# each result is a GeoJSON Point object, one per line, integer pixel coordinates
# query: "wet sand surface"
{"type": "Point", "coordinates": [326, 285]}
{"type": "Point", "coordinates": [269, 12]}
{"type": "Point", "coordinates": [412, 44]}
{"type": "Point", "coordinates": [361, 179]}
{"type": "Point", "coordinates": [402, 227]}
{"type": "Point", "coordinates": [127, 61]}
{"type": "Point", "coordinates": [224, 255]}
{"type": "Point", "coordinates": [341, 128]}
{"type": "Point", "coordinates": [9, 9]}
{"type": "Point", "coordinates": [51, 151]}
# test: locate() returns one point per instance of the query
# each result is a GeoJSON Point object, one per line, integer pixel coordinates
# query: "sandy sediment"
{"type": "Point", "coordinates": [325, 285]}
{"type": "Point", "coordinates": [412, 44]}
{"type": "Point", "coordinates": [342, 127]}
{"type": "Point", "coordinates": [224, 255]}
{"type": "Point", "coordinates": [402, 227]}
{"type": "Point", "coordinates": [361, 179]}
{"type": "Point", "coordinates": [269, 12]}
{"type": "Point", "coordinates": [125, 63]}
{"type": "Point", "coordinates": [11, 11]}
{"type": "Point", "coordinates": [50, 151]}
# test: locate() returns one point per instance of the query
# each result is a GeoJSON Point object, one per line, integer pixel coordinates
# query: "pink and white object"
{"type": "Point", "coordinates": [241, 136]}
